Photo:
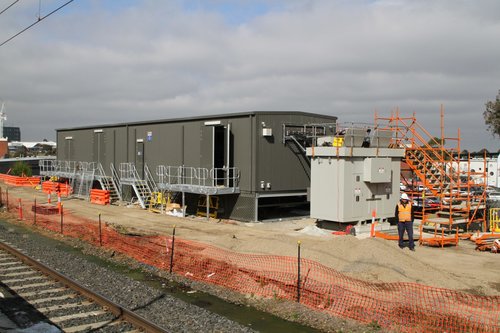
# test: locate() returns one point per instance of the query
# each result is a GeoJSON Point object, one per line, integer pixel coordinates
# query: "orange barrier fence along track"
{"type": "Point", "coordinates": [400, 307]}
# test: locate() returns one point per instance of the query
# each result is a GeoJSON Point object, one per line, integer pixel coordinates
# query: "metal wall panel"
{"type": "Point", "coordinates": [114, 147]}
{"type": "Point", "coordinates": [192, 147]}
{"type": "Point", "coordinates": [98, 146]}
{"type": "Point", "coordinates": [189, 142]}
{"type": "Point", "coordinates": [243, 143]}
{"type": "Point", "coordinates": [162, 144]}
{"type": "Point", "coordinates": [131, 141]}
{"type": "Point", "coordinates": [81, 142]}
{"type": "Point", "coordinates": [283, 167]}
{"type": "Point", "coordinates": [119, 147]}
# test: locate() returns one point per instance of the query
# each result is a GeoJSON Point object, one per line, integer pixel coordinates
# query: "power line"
{"type": "Point", "coordinates": [36, 22]}
{"type": "Point", "coordinates": [12, 4]}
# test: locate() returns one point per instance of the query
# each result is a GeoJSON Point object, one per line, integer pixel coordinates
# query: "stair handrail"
{"type": "Point", "coordinates": [427, 158]}
{"type": "Point", "coordinates": [412, 128]}
{"type": "Point", "coordinates": [101, 175]}
{"type": "Point", "coordinates": [148, 177]}
{"type": "Point", "coordinates": [405, 129]}
{"type": "Point", "coordinates": [116, 181]}
{"type": "Point", "coordinates": [100, 170]}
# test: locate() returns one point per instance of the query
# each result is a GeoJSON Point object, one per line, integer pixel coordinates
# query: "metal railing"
{"type": "Point", "coordinates": [87, 167]}
{"type": "Point", "coordinates": [116, 181]}
{"type": "Point", "coordinates": [128, 171]}
{"type": "Point", "coordinates": [53, 167]}
{"type": "Point", "coordinates": [142, 187]}
{"type": "Point", "coordinates": [227, 177]}
{"type": "Point", "coordinates": [191, 176]}
{"type": "Point", "coordinates": [148, 177]}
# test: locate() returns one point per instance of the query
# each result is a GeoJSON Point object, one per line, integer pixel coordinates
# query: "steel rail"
{"type": "Point", "coordinates": [119, 311]}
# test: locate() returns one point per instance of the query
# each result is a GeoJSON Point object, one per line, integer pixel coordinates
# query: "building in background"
{"type": "Point", "coordinates": [32, 149]}
{"type": "Point", "coordinates": [12, 133]}
{"type": "Point", "coordinates": [489, 167]}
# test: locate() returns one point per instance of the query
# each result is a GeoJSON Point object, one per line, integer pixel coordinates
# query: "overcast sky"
{"type": "Point", "coordinates": [97, 62]}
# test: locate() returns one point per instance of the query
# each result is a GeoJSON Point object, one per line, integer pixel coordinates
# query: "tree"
{"type": "Point", "coordinates": [492, 116]}
{"type": "Point", "coordinates": [435, 142]}
{"type": "Point", "coordinates": [483, 151]}
{"type": "Point", "coordinates": [21, 169]}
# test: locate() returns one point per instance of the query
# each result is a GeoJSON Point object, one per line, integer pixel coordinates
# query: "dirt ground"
{"type": "Point", "coordinates": [371, 259]}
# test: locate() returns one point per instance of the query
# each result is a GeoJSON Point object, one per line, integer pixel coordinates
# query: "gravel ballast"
{"type": "Point", "coordinates": [164, 310]}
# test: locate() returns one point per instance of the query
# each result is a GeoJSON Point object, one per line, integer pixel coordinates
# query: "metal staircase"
{"type": "Point", "coordinates": [115, 179]}
{"type": "Point", "coordinates": [438, 169]}
{"type": "Point", "coordinates": [130, 176]}
{"type": "Point", "coordinates": [432, 171]}
{"type": "Point", "coordinates": [108, 183]}
{"type": "Point", "coordinates": [148, 177]}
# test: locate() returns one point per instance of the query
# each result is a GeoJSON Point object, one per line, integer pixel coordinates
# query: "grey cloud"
{"type": "Point", "coordinates": [345, 58]}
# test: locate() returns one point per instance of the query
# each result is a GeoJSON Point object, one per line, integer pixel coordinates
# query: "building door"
{"type": "Point", "coordinates": [216, 151]}
{"type": "Point", "coordinates": [68, 154]}
{"type": "Point", "coordinates": [219, 154]}
{"type": "Point", "coordinates": [139, 157]}
{"type": "Point", "coordinates": [98, 146]}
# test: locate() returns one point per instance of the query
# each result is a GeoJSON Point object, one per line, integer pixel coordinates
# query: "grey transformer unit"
{"type": "Point", "coordinates": [350, 182]}
{"type": "Point", "coordinates": [241, 157]}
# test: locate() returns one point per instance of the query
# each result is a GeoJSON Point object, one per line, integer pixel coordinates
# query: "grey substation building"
{"type": "Point", "coordinates": [254, 163]}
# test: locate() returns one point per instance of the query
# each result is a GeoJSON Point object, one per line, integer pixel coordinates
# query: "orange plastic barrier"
{"type": "Point", "coordinates": [54, 187]}
{"type": "Point", "coordinates": [100, 197]}
{"type": "Point", "coordinates": [400, 307]}
{"type": "Point", "coordinates": [20, 181]}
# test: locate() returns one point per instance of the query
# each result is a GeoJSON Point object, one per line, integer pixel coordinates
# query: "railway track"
{"type": "Point", "coordinates": [63, 302]}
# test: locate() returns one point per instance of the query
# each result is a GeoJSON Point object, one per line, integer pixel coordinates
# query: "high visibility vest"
{"type": "Point", "coordinates": [404, 213]}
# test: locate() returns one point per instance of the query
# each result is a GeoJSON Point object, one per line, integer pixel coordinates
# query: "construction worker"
{"type": "Point", "coordinates": [405, 216]}
{"type": "Point", "coordinates": [367, 139]}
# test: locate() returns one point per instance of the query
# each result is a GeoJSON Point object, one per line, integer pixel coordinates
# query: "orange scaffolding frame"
{"type": "Point", "coordinates": [436, 164]}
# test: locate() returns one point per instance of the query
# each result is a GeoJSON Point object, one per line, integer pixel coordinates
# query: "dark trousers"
{"type": "Point", "coordinates": [408, 226]}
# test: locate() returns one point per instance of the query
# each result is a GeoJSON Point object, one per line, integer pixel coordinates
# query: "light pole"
{"type": "Point", "coordinates": [3, 117]}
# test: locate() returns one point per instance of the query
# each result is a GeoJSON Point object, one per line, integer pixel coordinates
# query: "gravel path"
{"type": "Point", "coordinates": [166, 311]}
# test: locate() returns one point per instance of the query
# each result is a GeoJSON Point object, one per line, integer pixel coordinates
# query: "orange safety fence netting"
{"type": "Point", "coordinates": [403, 307]}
